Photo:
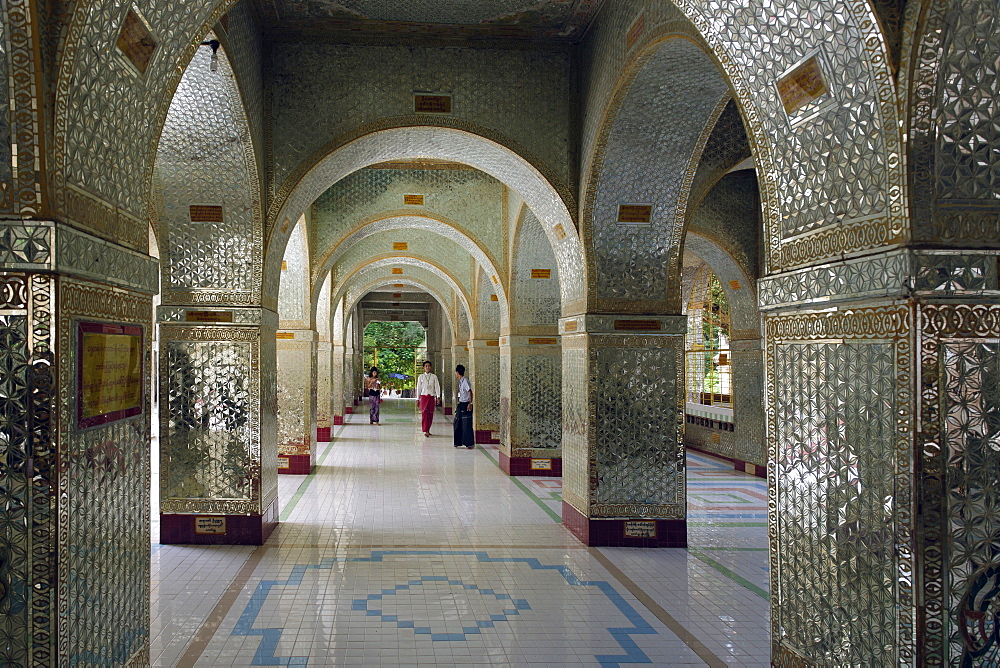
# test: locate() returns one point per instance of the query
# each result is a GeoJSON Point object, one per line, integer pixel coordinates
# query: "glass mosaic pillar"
{"type": "Point", "coordinates": [531, 405]}
{"type": "Point", "coordinates": [749, 444]}
{"type": "Point", "coordinates": [484, 372]}
{"type": "Point", "coordinates": [218, 424]}
{"type": "Point", "coordinates": [297, 376]}
{"type": "Point", "coordinates": [324, 390]}
{"type": "Point", "coordinates": [74, 466]}
{"type": "Point", "coordinates": [338, 364]}
{"type": "Point", "coordinates": [447, 380]}
{"type": "Point", "coordinates": [623, 458]}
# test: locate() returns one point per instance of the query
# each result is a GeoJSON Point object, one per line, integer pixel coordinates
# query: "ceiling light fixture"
{"type": "Point", "coordinates": [214, 43]}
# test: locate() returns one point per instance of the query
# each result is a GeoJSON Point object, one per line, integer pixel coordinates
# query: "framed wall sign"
{"type": "Point", "coordinates": [109, 373]}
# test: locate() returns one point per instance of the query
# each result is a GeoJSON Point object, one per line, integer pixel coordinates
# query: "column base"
{"type": "Point", "coordinates": [616, 533]}
{"type": "Point", "coordinates": [234, 530]}
{"type": "Point", "coordinates": [485, 437]}
{"type": "Point", "coordinates": [447, 410]}
{"type": "Point", "coordinates": [296, 464]}
{"type": "Point", "coordinates": [323, 434]}
{"type": "Point", "coordinates": [338, 420]}
{"type": "Point", "coordinates": [348, 410]}
{"type": "Point", "coordinates": [523, 466]}
{"type": "Point", "coordinates": [738, 464]}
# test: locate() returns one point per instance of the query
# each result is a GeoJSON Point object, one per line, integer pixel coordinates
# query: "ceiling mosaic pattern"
{"type": "Point", "coordinates": [557, 19]}
{"type": "Point", "coordinates": [473, 199]}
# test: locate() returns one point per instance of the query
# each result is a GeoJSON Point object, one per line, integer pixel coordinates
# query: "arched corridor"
{"type": "Point", "coordinates": [402, 550]}
{"type": "Point", "coordinates": [724, 278]}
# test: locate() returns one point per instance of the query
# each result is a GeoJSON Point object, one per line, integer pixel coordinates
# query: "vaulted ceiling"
{"type": "Point", "coordinates": [563, 20]}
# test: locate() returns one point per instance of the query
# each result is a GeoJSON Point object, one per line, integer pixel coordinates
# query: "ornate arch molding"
{"type": "Point", "coordinates": [90, 36]}
{"type": "Point", "coordinates": [444, 143]}
{"type": "Point", "coordinates": [938, 215]}
{"type": "Point", "coordinates": [401, 220]}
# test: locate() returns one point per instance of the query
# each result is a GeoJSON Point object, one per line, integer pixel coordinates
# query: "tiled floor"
{"type": "Point", "coordinates": [401, 550]}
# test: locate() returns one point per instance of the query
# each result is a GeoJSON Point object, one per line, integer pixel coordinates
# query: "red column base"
{"type": "Point", "coordinates": [323, 434]}
{"type": "Point", "coordinates": [348, 410]}
{"type": "Point", "coordinates": [447, 410]}
{"type": "Point", "coordinates": [239, 529]}
{"type": "Point", "coordinates": [522, 466]}
{"type": "Point", "coordinates": [338, 420]}
{"type": "Point", "coordinates": [611, 533]}
{"type": "Point", "coordinates": [297, 465]}
{"type": "Point", "coordinates": [484, 437]}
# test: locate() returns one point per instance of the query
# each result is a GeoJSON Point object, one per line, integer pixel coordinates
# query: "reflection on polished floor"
{"type": "Point", "coordinates": [401, 550]}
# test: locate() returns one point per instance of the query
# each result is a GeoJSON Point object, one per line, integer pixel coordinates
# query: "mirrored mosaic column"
{"type": "Point", "coordinates": [484, 372]}
{"type": "Point", "coordinates": [623, 458]}
{"type": "Point", "coordinates": [297, 376]}
{"type": "Point", "coordinates": [882, 389]}
{"type": "Point", "coordinates": [75, 333]}
{"type": "Point", "coordinates": [531, 405]}
{"type": "Point", "coordinates": [338, 364]}
{"type": "Point", "coordinates": [324, 390]}
{"type": "Point", "coordinates": [447, 375]}
{"type": "Point", "coordinates": [218, 425]}
{"type": "Point", "coordinates": [749, 444]}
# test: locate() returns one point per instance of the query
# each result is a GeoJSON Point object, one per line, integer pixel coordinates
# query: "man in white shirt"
{"type": "Point", "coordinates": [464, 433]}
{"type": "Point", "coordinates": [428, 393]}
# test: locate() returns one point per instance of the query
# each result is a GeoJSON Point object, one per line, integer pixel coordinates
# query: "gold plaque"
{"type": "Point", "coordinates": [399, 285]}
{"type": "Point", "coordinates": [542, 341]}
{"type": "Point", "coordinates": [735, 285]}
{"type": "Point", "coordinates": [205, 213]}
{"type": "Point", "coordinates": [400, 245]}
{"type": "Point", "coordinates": [208, 316]}
{"type": "Point", "coordinates": [640, 529]}
{"type": "Point", "coordinates": [397, 270]}
{"type": "Point", "coordinates": [635, 214]}
{"type": "Point", "coordinates": [284, 265]}
{"type": "Point", "coordinates": [541, 273]}
{"type": "Point", "coordinates": [637, 325]}
{"type": "Point", "coordinates": [559, 232]}
{"type": "Point", "coordinates": [431, 104]}
{"type": "Point", "coordinates": [541, 464]}
{"type": "Point", "coordinates": [136, 42]}
{"type": "Point", "coordinates": [801, 86]}
{"type": "Point", "coordinates": [571, 326]}
{"type": "Point", "coordinates": [109, 379]}
{"type": "Point", "coordinates": [285, 335]}
{"type": "Point", "coordinates": [397, 295]}
{"type": "Point", "coordinates": [210, 525]}
{"type": "Point", "coordinates": [413, 200]}
{"type": "Point", "coordinates": [493, 344]}
{"type": "Point", "coordinates": [494, 298]}
{"type": "Point", "coordinates": [716, 438]}
{"type": "Point", "coordinates": [282, 462]}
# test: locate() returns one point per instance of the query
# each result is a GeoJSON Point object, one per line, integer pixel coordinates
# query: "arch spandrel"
{"type": "Point", "coordinates": [650, 161]}
{"type": "Point", "coordinates": [814, 204]}
{"type": "Point", "coordinates": [534, 296]}
{"type": "Point", "coordinates": [106, 116]}
{"type": "Point", "coordinates": [205, 156]}
{"type": "Point", "coordinates": [451, 145]}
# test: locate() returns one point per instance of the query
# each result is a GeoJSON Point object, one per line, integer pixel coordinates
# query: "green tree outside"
{"type": "Point", "coordinates": [395, 347]}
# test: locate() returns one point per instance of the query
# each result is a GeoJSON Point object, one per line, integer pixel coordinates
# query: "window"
{"type": "Point", "coordinates": [708, 359]}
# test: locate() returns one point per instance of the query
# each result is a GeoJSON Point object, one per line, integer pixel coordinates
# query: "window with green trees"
{"type": "Point", "coordinates": [707, 365]}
